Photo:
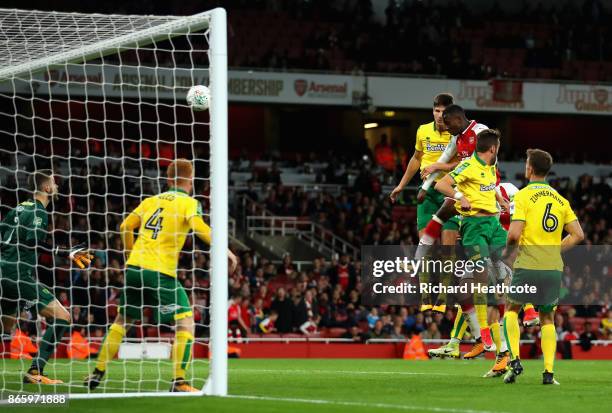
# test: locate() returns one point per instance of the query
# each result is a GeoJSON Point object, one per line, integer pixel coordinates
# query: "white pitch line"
{"type": "Point", "coordinates": [391, 373]}
{"type": "Point", "coordinates": [361, 404]}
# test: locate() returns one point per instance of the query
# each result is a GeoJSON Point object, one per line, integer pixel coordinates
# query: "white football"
{"type": "Point", "coordinates": [198, 97]}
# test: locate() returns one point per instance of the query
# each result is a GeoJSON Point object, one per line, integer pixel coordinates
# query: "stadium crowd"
{"type": "Point", "coordinates": [267, 298]}
{"type": "Point", "coordinates": [566, 40]}
{"type": "Point", "coordinates": [363, 215]}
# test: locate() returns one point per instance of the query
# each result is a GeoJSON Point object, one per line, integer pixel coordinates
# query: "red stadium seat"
{"type": "Point", "coordinates": [292, 335]}
{"type": "Point", "coordinates": [334, 332]}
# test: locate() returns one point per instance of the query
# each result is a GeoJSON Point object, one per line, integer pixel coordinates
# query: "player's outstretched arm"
{"type": "Point", "coordinates": [127, 228]}
{"type": "Point", "coordinates": [438, 167]}
{"type": "Point", "coordinates": [37, 239]}
{"type": "Point", "coordinates": [574, 236]}
{"type": "Point", "coordinates": [202, 231]}
{"type": "Point", "coordinates": [411, 170]}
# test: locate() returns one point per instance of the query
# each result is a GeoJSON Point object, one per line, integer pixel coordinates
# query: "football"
{"type": "Point", "coordinates": [198, 98]}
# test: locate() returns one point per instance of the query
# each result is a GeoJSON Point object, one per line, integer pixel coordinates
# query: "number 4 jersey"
{"type": "Point", "coordinates": [545, 213]}
{"type": "Point", "coordinates": [164, 225]}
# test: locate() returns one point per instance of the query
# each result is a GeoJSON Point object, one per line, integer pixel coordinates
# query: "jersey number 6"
{"type": "Point", "coordinates": [550, 222]}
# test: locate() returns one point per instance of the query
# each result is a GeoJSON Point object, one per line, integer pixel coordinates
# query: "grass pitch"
{"type": "Point", "coordinates": [283, 385]}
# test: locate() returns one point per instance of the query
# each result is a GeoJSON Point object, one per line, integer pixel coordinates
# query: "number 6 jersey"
{"type": "Point", "coordinates": [545, 213]}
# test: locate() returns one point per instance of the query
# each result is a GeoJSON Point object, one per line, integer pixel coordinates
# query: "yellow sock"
{"type": "Point", "coordinates": [110, 346]}
{"type": "Point", "coordinates": [481, 313]}
{"type": "Point", "coordinates": [464, 326]}
{"type": "Point", "coordinates": [181, 353]}
{"type": "Point", "coordinates": [549, 346]}
{"type": "Point", "coordinates": [513, 334]}
{"type": "Point", "coordinates": [494, 327]}
{"type": "Point", "coordinates": [459, 327]}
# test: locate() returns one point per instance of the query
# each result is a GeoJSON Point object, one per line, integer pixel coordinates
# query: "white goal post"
{"type": "Point", "coordinates": [35, 46]}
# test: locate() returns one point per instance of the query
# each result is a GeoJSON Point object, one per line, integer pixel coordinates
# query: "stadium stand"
{"type": "Point", "coordinates": [318, 297]}
{"type": "Point", "coordinates": [569, 40]}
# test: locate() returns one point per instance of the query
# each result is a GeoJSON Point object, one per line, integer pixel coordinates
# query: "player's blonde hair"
{"type": "Point", "coordinates": [180, 170]}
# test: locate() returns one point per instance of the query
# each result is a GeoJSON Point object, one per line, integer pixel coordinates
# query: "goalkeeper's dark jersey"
{"type": "Point", "coordinates": [20, 232]}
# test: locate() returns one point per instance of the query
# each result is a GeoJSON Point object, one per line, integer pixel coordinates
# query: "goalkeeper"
{"type": "Point", "coordinates": [23, 233]}
{"type": "Point", "coordinates": [163, 222]}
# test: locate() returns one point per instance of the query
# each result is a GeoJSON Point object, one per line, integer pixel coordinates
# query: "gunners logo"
{"type": "Point", "coordinates": [300, 86]}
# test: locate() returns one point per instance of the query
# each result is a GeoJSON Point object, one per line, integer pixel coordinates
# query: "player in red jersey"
{"type": "Point", "coordinates": [461, 147]}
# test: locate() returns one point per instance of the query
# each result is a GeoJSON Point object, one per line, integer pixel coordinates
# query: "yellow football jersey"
{"type": "Point", "coordinates": [164, 225]}
{"type": "Point", "coordinates": [545, 213]}
{"type": "Point", "coordinates": [476, 181]}
{"type": "Point", "coordinates": [432, 143]}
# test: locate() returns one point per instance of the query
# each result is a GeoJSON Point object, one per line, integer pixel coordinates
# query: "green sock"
{"type": "Point", "coordinates": [53, 335]}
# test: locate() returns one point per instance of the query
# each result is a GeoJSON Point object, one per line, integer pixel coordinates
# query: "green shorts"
{"type": "Point", "coordinates": [151, 289]}
{"type": "Point", "coordinates": [22, 291]}
{"type": "Point", "coordinates": [432, 203]}
{"type": "Point", "coordinates": [548, 284]}
{"type": "Point", "coordinates": [482, 237]}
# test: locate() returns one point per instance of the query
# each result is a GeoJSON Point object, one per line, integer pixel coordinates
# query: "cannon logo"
{"type": "Point", "coordinates": [300, 87]}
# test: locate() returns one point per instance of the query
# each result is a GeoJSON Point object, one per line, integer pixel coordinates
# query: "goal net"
{"type": "Point", "coordinates": [100, 100]}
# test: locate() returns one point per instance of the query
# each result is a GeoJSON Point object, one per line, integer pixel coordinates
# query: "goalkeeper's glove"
{"type": "Point", "coordinates": [78, 255]}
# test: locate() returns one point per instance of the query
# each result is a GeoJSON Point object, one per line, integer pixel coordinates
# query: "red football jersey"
{"type": "Point", "coordinates": [466, 140]}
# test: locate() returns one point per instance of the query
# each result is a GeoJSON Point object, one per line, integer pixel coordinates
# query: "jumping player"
{"type": "Point", "coordinates": [431, 141]}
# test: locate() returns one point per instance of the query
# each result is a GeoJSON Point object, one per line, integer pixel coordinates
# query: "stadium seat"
{"type": "Point", "coordinates": [334, 332]}
{"type": "Point", "coordinates": [292, 335]}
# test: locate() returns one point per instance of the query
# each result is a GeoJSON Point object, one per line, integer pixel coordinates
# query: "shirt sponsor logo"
{"type": "Point", "coordinates": [485, 188]}
{"type": "Point", "coordinates": [439, 147]}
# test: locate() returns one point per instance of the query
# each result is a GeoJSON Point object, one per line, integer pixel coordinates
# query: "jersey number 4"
{"type": "Point", "coordinates": [154, 223]}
